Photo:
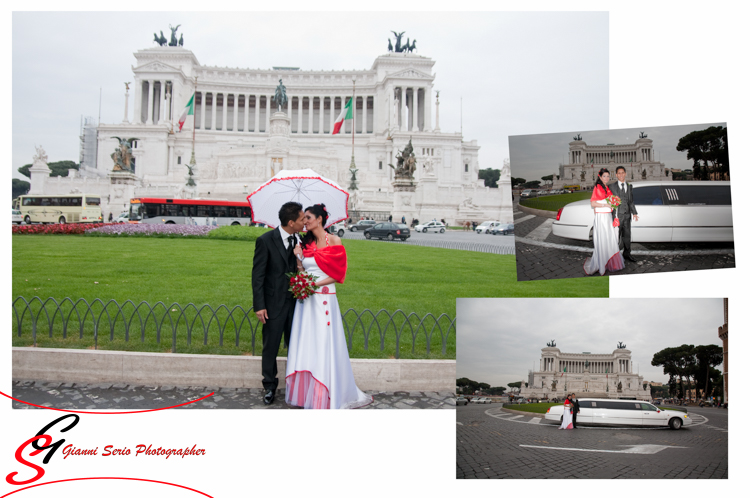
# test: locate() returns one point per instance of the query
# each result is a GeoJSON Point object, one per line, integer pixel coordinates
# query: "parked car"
{"type": "Point", "coordinates": [529, 193]}
{"type": "Point", "coordinates": [337, 228]}
{"type": "Point", "coordinates": [486, 226]}
{"type": "Point", "coordinates": [617, 412]}
{"type": "Point", "coordinates": [17, 217]}
{"type": "Point", "coordinates": [485, 401]}
{"type": "Point", "coordinates": [432, 226]}
{"type": "Point", "coordinates": [388, 230]}
{"type": "Point", "coordinates": [678, 211]}
{"type": "Point", "coordinates": [461, 401]}
{"type": "Point", "coordinates": [502, 229]}
{"type": "Point", "coordinates": [362, 225]}
{"type": "Point", "coordinates": [122, 217]}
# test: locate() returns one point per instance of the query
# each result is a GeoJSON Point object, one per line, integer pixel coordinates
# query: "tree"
{"type": "Point", "coordinates": [517, 181]}
{"type": "Point", "coordinates": [490, 177]}
{"type": "Point", "coordinates": [59, 168]}
{"type": "Point", "coordinates": [20, 187]}
{"type": "Point", "coordinates": [514, 384]}
{"type": "Point", "coordinates": [532, 184]}
{"type": "Point", "coordinates": [548, 178]}
{"type": "Point", "coordinates": [707, 357]}
{"type": "Point", "coordinates": [709, 151]}
{"type": "Point", "coordinates": [495, 391]}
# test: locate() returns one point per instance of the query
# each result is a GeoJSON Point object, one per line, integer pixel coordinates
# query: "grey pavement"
{"type": "Point", "coordinates": [540, 255]}
{"type": "Point", "coordinates": [452, 239]}
{"type": "Point", "coordinates": [492, 443]}
{"type": "Point", "coordinates": [82, 396]}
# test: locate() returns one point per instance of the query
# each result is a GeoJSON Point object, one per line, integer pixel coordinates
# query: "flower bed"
{"type": "Point", "coordinates": [57, 229]}
{"type": "Point", "coordinates": [145, 229]}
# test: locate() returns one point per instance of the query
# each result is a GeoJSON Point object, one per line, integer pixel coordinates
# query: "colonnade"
{"type": "Point", "coordinates": [414, 109]}
{"type": "Point", "coordinates": [157, 107]}
{"type": "Point", "coordinates": [584, 157]}
{"type": "Point", "coordinates": [550, 364]}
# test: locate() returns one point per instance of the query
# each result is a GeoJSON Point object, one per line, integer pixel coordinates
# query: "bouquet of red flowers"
{"type": "Point", "coordinates": [302, 285]}
{"type": "Point", "coordinates": [614, 202]}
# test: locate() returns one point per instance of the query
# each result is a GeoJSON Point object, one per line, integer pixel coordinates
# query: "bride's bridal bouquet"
{"type": "Point", "coordinates": [302, 285]}
{"type": "Point", "coordinates": [614, 202]}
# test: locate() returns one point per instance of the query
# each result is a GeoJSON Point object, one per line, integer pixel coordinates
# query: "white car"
{"type": "Point", "coordinates": [667, 212]}
{"type": "Point", "coordinates": [486, 226]}
{"type": "Point", "coordinates": [122, 218]}
{"type": "Point", "coordinates": [432, 226]}
{"type": "Point", "coordinates": [17, 217]}
{"type": "Point", "coordinates": [620, 412]}
{"type": "Point", "coordinates": [337, 229]}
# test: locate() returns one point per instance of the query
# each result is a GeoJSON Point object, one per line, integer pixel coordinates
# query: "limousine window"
{"type": "Point", "coordinates": [708, 195]}
{"type": "Point", "coordinates": [647, 196]}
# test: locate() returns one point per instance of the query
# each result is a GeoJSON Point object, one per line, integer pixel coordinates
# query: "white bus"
{"type": "Point", "coordinates": [70, 208]}
{"type": "Point", "coordinates": [189, 211]}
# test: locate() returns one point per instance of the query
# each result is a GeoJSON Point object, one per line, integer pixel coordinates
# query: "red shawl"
{"type": "Point", "coordinates": [331, 259]}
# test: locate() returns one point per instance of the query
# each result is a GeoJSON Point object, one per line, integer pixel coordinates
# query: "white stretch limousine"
{"type": "Point", "coordinates": [667, 212]}
{"type": "Point", "coordinates": [621, 412]}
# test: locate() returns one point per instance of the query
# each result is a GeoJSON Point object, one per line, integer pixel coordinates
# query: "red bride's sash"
{"type": "Point", "coordinates": [331, 260]}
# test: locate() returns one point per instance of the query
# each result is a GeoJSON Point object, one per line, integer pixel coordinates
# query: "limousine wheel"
{"type": "Point", "coordinates": [675, 423]}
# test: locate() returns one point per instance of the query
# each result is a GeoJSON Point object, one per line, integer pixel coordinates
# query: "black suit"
{"type": "Point", "coordinates": [574, 410]}
{"type": "Point", "coordinates": [625, 213]}
{"type": "Point", "coordinates": [271, 292]}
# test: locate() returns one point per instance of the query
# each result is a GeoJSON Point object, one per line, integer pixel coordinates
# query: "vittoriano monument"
{"type": "Point", "coordinates": [280, 96]}
{"type": "Point", "coordinates": [406, 163]}
{"type": "Point", "coordinates": [123, 155]}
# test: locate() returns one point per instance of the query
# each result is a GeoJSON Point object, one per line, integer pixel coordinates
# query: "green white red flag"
{"type": "Point", "coordinates": [189, 111]}
{"type": "Point", "coordinates": [346, 113]}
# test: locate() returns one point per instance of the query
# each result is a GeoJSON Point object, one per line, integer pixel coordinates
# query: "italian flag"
{"type": "Point", "coordinates": [189, 111]}
{"type": "Point", "coordinates": [346, 113]}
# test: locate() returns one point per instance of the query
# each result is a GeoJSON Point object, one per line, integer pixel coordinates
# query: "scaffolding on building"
{"type": "Point", "coordinates": [89, 146]}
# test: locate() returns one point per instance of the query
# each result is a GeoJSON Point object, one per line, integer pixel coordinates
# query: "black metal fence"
{"type": "Point", "coordinates": [131, 321]}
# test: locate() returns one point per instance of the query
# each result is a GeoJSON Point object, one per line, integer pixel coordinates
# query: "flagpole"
{"type": "Point", "coordinates": [354, 121]}
{"type": "Point", "coordinates": [195, 92]}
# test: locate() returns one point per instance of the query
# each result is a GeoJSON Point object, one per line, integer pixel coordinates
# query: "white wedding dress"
{"type": "Point", "coordinates": [318, 370]}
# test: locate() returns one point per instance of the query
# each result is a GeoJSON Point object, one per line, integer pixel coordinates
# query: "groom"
{"type": "Point", "coordinates": [272, 301]}
{"type": "Point", "coordinates": [624, 191]}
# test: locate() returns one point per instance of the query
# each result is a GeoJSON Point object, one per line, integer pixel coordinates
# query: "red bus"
{"type": "Point", "coordinates": [189, 211]}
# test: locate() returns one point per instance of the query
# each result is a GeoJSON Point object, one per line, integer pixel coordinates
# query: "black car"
{"type": "Point", "coordinates": [388, 231]}
{"type": "Point", "coordinates": [503, 229]}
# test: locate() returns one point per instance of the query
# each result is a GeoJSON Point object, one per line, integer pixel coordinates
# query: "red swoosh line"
{"type": "Point", "coordinates": [106, 413]}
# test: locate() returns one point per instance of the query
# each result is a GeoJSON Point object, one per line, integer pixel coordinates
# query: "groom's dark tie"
{"type": "Point", "coordinates": [292, 242]}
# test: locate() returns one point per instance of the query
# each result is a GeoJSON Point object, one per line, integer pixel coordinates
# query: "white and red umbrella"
{"type": "Point", "coordinates": [301, 185]}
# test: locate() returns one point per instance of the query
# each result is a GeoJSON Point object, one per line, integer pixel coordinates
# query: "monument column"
{"type": "Point", "coordinates": [150, 115]}
{"type": "Point", "coordinates": [162, 85]}
{"type": "Point", "coordinates": [415, 98]}
{"type": "Point", "coordinates": [224, 105]}
{"type": "Point", "coordinates": [256, 129]}
{"type": "Point", "coordinates": [125, 119]}
{"type": "Point", "coordinates": [365, 98]}
{"type": "Point", "coordinates": [247, 113]}
{"type": "Point", "coordinates": [137, 97]}
{"type": "Point", "coordinates": [428, 108]}
{"type": "Point", "coordinates": [203, 110]}
{"type": "Point", "coordinates": [321, 112]}
{"type": "Point", "coordinates": [213, 110]}
{"type": "Point", "coordinates": [299, 114]}
{"type": "Point", "coordinates": [236, 111]}
{"type": "Point", "coordinates": [332, 103]}
{"type": "Point", "coordinates": [404, 116]}
{"type": "Point", "coordinates": [268, 113]}
{"type": "Point", "coordinates": [310, 107]}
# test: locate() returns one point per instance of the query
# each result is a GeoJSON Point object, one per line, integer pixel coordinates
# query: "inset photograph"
{"type": "Point", "coordinates": [592, 389]}
{"type": "Point", "coordinates": [613, 202]}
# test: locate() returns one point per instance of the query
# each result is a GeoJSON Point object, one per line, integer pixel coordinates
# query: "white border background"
{"type": "Point", "coordinates": [670, 63]}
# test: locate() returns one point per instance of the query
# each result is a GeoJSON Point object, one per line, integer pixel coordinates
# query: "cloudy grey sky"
{"type": "Point", "coordinates": [512, 70]}
{"type": "Point", "coordinates": [500, 340]}
{"type": "Point", "coordinates": [535, 156]}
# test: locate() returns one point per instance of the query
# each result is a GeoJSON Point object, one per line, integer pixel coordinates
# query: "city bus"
{"type": "Point", "coordinates": [70, 208]}
{"type": "Point", "coordinates": [189, 211]}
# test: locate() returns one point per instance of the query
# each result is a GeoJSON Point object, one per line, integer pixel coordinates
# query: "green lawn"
{"type": "Point", "coordinates": [383, 275]}
{"type": "Point", "coordinates": [554, 202]}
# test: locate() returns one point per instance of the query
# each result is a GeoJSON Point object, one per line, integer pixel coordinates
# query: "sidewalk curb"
{"type": "Point", "coordinates": [83, 365]}
{"type": "Point", "coordinates": [537, 212]}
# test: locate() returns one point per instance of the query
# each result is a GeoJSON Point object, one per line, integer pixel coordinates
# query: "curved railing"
{"type": "Point", "coordinates": [100, 320]}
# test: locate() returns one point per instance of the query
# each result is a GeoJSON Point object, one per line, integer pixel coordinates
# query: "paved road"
{"type": "Point", "coordinates": [541, 255]}
{"type": "Point", "coordinates": [453, 239]}
{"type": "Point", "coordinates": [81, 396]}
{"type": "Point", "coordinates": [492, 443]}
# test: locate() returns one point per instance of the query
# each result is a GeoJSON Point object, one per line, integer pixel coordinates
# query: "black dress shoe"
{"type": "Point", "coordinates": [269, 396]}
{"type": "Point", "coordinates": [630, 258]}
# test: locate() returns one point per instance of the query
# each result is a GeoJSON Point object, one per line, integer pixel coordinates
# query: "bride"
{"type": "Point", "coordinates": [567, 418]}
{"type": "Point", "coordinates": [318, 370]}
{"type": "Point", "coordinates": [606, 248]}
